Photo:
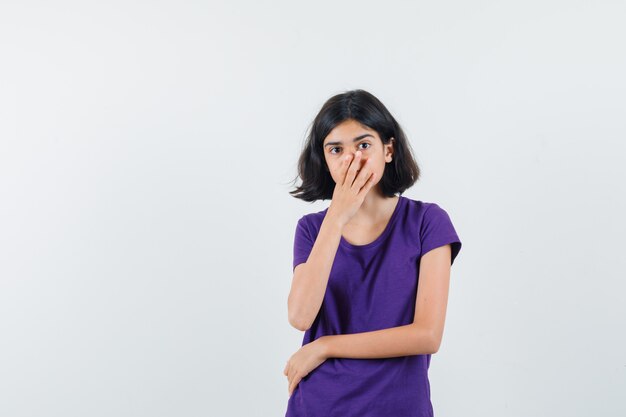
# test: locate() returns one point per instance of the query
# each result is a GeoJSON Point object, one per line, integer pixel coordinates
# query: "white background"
{"type": "Point", "coordinates": [146, 230]}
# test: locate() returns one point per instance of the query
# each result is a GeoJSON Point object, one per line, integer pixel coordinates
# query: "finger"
{"type": "Point", "coordinates": [286, 368]}
{"type": "Point", "coordinates": [293, 385]}
{"type": "Point", "coordinates": [289, 384]}
{"type": "Point", "coordinates": [291, 375]}
{"type": "Point", "coordinates": [345, 164]}
{"type": "Point", "coordinates": [363, 176]}
{"type": "Point", "coordinates": [368, 185]}
{"type": "Point", "coordinates": [294, 377]}
{"type": "Point", "coordinates": [352, 169]}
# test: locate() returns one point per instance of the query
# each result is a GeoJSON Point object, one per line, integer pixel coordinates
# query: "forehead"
{"type": "Point", "coordinates": [349, 131]}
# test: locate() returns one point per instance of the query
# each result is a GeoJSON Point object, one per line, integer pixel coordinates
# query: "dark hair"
{"type": "Point", "coordinates": [359, 105]}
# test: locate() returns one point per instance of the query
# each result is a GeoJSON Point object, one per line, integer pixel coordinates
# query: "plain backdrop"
{"type": "Point", "coordinates": [146, 153]}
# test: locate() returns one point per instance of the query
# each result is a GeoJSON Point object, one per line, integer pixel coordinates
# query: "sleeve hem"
{"type": "Point", "coordinates": [454, 242]}
{"type": "Point", "coordinates": [298, 261]}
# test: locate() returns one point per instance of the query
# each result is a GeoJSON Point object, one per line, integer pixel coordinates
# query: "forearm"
{"type": "Point", "coordinates": [309, 282]}
{"type": "Point", "coordinates": [406, 340]}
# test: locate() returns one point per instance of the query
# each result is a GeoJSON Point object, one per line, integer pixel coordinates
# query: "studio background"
{"type": "Point", "coordinates": [146, 230]}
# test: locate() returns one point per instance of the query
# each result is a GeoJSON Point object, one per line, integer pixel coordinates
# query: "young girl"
{"type": "Point", "coordinates": [371, 272]}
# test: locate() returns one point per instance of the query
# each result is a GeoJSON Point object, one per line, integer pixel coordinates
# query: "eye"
{"type": "Point", "coordinates": [362, 143]}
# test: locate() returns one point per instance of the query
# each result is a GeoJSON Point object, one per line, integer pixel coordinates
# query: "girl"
{"type": "Point", "coordinates": [371, 272]}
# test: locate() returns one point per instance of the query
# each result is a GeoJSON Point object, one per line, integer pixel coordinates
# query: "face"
{"type": "Point", "coordinates": [341, 142]}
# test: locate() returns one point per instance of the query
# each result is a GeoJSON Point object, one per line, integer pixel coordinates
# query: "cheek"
{"type": "Point", "coordinates": [330, 165]}
{"type": "Point", "coordinates": [377, 166]}
{"type": "Point", "coordinates": [334, 169]}
{"type": "Point", "coordinates": [379, 172]}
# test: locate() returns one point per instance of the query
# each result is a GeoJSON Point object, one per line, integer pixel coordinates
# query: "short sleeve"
{"type": "Point", "coordinates": [303, 242]}
{"type": "Point", "coordinates": [437, 230]}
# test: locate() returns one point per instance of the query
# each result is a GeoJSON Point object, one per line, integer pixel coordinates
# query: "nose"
{"type": "Point", "coordinates": [361, 162]}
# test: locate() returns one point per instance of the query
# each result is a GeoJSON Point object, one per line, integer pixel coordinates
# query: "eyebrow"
{"type": "Point", "coordinates": [353, 140]}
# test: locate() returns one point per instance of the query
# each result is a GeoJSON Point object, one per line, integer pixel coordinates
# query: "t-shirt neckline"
{"type": "Point", "coordinates": [343, 242]}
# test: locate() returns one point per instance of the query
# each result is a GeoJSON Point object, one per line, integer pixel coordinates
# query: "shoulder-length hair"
{"type": "Point", "coordinates": [359, 105]}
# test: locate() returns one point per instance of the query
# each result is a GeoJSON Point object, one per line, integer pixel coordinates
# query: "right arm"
{"type": "Point", "coordinates": [311, 277]}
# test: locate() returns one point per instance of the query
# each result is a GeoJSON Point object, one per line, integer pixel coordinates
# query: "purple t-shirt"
{"type": "Point", "coordinates": [371, 287]}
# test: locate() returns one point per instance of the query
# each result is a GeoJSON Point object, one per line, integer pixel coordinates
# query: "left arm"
{"type": "Point", "coordinates": [406, 340]}
{"type": "Point", "coordinates": [423, 336]}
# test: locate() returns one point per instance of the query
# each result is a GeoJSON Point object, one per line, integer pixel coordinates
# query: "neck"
{"type": "Point", "coordinates": [375, 207]}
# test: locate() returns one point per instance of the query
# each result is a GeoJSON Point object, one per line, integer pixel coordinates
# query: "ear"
{"type": "Point", "coordinates": [390, 150]}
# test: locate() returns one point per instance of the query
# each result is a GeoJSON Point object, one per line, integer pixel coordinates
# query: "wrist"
{"type": "Point", "coordinates": [324, 346]}
{"type": "Point", "coordinates": [333, 221]}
